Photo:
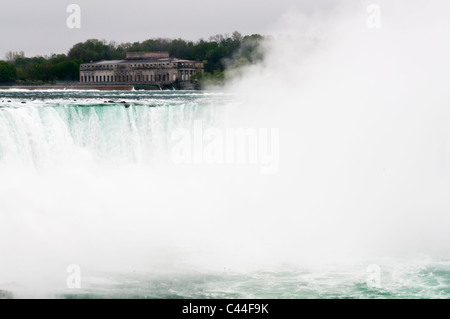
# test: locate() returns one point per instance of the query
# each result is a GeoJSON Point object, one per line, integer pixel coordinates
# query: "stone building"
{"type": "Point", "coordinates": [141, 68]}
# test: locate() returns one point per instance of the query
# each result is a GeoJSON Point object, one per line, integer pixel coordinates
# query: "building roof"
{"type": "Point", "coordinates": [107, 62]}
{"type": "Point", "coordinates": [142, 58]}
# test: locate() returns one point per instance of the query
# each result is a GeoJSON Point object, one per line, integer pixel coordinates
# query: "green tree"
{"type": "Point", "coordinates": [8, 72]}
{"type": "Point", "coordinates": [65, 71]}
{"type": "Point", "coordinates": [180, 49]}
{"type": "Point", "coordinates": [91, 50]}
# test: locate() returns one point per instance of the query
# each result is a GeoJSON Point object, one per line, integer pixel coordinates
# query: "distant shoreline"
{"type": "Point", "coordinates": [70, 87]}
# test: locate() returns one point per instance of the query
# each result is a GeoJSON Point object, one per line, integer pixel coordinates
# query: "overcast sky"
{"type": "Point", "coordinates": [39, 27]}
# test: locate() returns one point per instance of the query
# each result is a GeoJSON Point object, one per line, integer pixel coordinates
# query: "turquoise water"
{"type": "Point", "coordinates": [119, 126]}
{"type": "Point", "coordinates": [87, 178]}
{"type": "Point", "coordinates": [405, 281]}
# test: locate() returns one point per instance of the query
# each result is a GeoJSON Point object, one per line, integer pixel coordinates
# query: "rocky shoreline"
{"type": "Point", "coordinates": [70, 87]}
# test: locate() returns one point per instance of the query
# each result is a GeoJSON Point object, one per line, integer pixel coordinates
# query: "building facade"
{"type": "Point", "coordinates": [141, 68]}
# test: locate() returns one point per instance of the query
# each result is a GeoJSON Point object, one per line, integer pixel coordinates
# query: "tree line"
{"type": "Point", "coordinates": [218, 53]}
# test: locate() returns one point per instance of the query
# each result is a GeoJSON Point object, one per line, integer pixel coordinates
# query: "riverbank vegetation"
{"type": "Point", "coordinates": [219, 53]}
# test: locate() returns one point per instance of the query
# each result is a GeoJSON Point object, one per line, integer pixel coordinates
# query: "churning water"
{"type": "Point", "coordinates": [87, 179]}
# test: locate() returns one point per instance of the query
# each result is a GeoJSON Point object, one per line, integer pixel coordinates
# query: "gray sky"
{"type": "Point", "coordinates": [39, 27]}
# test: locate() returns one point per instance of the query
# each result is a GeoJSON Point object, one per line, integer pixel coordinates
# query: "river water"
{"type": "Point", "coordinates": [103, 194]}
